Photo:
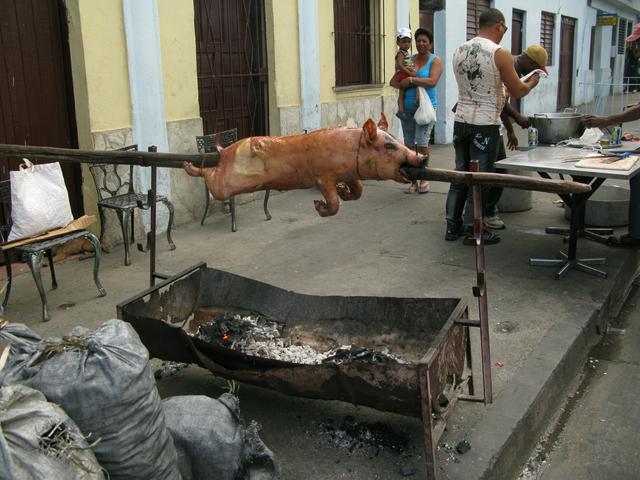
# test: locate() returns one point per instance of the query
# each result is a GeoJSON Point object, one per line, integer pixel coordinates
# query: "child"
{"type": "Point", "coordinates": [404, 64]}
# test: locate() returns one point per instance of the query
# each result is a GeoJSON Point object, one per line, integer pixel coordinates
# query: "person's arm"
{"type": "Point", "coordinates": [517, 88]}
{"type": "Point", "coordinates": [512, 140]}
{"type": "Point", "coordinates": [628, 115]}
{"type": "Point", "coordinates": [431, 81]}
{"type": "Point", "coordinates": [517, 116]}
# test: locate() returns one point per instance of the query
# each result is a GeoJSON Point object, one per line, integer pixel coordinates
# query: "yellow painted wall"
{"type": "Point", "coordinates": [105, 63]}
{"type": "Point", "coordinates": [283, 53]}
{"type": "Point", "coordinates": [179, 70]}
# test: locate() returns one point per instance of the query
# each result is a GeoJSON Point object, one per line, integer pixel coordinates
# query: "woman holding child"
{"type": "Point", "coordinates": [427, 68]}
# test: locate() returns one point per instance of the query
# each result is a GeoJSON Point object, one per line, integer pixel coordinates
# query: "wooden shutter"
{"type": "Point", "coordinates": [474, 10]}
{"type": "Point", "coordinates": [547, 26]}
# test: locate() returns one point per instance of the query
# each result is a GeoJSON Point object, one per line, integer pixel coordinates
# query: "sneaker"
{"type": "Point", "coordinates": [494, 222]}
{"type": "Point", "coordinates": [489, 239]}
{"type": "Point", "coordinates": [453, 233]}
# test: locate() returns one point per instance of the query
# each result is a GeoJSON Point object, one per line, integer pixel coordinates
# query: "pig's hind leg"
{"type": "Point", "coordinates": [351, 190]}
{"type": "Point", "coordinates": [330, 205]}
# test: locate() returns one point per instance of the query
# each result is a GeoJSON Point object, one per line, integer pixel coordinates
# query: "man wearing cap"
{"type": "Point", "coordinates": [482, 69]}
{"type": "Point", "coordinates": [533, 58]}
{"type": "Point", "coordinates": [631, 239]}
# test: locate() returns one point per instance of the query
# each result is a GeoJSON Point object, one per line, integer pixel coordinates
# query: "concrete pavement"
{"type": "Point", "coordinates": [391, 244]}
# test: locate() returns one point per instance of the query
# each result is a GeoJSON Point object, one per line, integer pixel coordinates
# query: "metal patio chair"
{"type": "Point", "coordinates": [33, 252]}
{"type": "Point", "coordinates": [207, 144]}
{"type": "Point", "coordinates": [114, 184]}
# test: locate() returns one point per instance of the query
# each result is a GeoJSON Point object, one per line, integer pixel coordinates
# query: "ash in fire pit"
{"type": "Point", "coordinates": [353, 435]}
{"type": "Point", "coordinates": [257, 335]}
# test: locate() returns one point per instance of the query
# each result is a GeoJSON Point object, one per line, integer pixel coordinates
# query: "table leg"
{"type": "Point", "coordinates": [568, 261]}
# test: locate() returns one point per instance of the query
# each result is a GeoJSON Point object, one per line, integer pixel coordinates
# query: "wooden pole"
{"type": "Point", "coordinates": [176, 160]}
{"type": "Point", "coordinates": [144, 159]}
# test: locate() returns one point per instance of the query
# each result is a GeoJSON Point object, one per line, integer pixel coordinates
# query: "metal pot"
{"type": "Point", "coordinates": [555, 127]}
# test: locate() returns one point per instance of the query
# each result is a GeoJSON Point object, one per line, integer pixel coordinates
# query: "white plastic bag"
{"type": "Point", "coordinates": [425, 113]}
{"type": "Point", "coordinates": [39, 200]}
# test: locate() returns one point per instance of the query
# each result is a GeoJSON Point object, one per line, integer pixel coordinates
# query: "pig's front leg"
{"type": "Point", "coordinates": [351, 190]}
{"type": "Point", "coordinates": [331, 203]}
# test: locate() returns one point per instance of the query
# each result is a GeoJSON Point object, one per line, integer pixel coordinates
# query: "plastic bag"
{"type": "Point", "coordinates": [103, 380]}
{"type": "Point", "coordinates": [39, 200]}
{"type": "Point", "coordinates": [426, 113]}
{"type": "Point", "coordinates": [212, 441]}
{"type": "Point", "coordinates": [38, 440]}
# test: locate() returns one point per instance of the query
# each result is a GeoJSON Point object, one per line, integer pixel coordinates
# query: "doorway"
{"type": "Point", "coordinates": [232, 66]}
{"type": "Point", "coordinates": [565, 75]}
{"type": "Point", "coordinates": [36, 93]}
{"type": "Point", "coordinates": [517, 22]}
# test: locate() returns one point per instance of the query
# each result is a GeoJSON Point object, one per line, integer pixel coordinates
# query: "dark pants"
{"type": "Point", "coordinates": [470, 142]}
{"type": "Point", "coordinates": [493, 197]}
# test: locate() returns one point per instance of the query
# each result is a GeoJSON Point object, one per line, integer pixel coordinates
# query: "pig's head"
{"type": "Point", "coordinates": [382, 157]}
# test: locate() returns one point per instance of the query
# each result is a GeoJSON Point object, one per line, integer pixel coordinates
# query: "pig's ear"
{"type": "Point", "coordinates": [370, 131]}
{"type": "Point", "coordinates": [383, 124]}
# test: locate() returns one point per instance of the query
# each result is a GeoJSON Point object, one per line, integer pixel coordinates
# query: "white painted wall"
{"type": "Point", "coordinates": [449, 34]}
{"type": "Point", "coordinates": [142, 32]}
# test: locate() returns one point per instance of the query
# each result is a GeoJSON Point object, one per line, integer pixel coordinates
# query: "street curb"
{"type": "Point", "coordinates": [503, 440]}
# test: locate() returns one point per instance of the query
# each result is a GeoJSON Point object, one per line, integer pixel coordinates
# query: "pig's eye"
{"type": "Point", "coordinates": [389, 146]}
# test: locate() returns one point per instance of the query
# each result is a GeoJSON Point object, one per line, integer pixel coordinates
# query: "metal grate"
{"type": "Point", "coordinates": [474, 10]}
{"type": "Point", "coordinates": [547, 26]}
{"type": "Point", "coordinates": [358, 36]}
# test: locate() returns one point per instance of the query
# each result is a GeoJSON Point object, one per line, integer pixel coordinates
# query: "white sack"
{"type": "Point", "coordinates": [426, 113]}
{"type": "Point", "coordinates": [39, 200]}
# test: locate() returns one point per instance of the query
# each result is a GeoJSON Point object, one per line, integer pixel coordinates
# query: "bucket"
{"type": "Point", "coordinates": [514, 199]}
{"type": "Point", "coordinates": [607, 207]}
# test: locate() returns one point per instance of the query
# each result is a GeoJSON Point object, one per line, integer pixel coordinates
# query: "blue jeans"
{"type": "Point", "coordinates": [415, 134]}
{"type": "Point", "coordinates": [470, 142]}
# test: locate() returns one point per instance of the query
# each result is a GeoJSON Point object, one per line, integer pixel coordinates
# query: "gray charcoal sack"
{"type": "Point", "coordinates": [39, 441]}
{"type": "Point", "coordinates": [23, 343]}
{"type": "Point", "coordinates": [103, 380]}
{"type": "Point", "coordinates": [212, 441]}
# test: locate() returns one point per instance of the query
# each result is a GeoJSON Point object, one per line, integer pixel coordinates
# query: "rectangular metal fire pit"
{"type": "Point", "coordinates": [429, 335]}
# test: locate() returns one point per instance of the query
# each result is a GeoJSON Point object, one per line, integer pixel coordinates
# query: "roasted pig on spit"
{"type": "Point", "coordinates": [336, 160]}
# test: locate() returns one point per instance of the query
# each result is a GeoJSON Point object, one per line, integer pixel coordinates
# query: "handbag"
{"type": "Point", "coordinates": [39, 200]}
{"type": "Point", "coordinates": [425, 113]}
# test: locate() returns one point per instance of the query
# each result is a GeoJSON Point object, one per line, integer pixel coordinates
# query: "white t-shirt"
{"type": "Point", "coordinates": [481, 93]}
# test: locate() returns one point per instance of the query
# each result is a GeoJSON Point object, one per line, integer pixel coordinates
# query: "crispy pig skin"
{"type": "Point", "coordinates": [335, 160]}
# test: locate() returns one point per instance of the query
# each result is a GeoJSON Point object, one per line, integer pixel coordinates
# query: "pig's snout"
{"type": "Point", "coordinates": [413, 169]}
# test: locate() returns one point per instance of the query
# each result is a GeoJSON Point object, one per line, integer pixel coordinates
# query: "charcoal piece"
{"type": "Point", "coordinates": [463, 447]}
{"type": "Point", "coordinates": [407, 470]}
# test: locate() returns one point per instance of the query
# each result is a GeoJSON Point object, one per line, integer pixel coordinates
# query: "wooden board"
{"type": "Point", "coordinates": [600, 162]}
{"type": "Point", "coordinates": [78, 224]}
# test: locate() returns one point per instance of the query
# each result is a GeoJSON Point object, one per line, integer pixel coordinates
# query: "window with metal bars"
{"type": "Point", "coordinates": [622, 35]}
{"type": "Point", "coordinates": [547, 26]}
{"type": "Point", "coordinates": [474, 10]}
{"type": "Point", "coordinates": [358, 36]}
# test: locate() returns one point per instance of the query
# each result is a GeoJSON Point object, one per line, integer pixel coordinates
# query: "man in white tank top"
{"type": "Point", "coordinates": [482, 69]}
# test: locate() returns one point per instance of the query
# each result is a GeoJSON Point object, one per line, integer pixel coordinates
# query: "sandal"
{"type": "Point", "coordinates": [423, 187]}
{"type": "Point", "coordinates": [626, 241]}
{"type": "Point", "coordinates": [412, 188]}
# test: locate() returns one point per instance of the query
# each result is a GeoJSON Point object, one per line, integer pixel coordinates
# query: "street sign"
{"type": "Point", "coordinates": [608, 19]}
